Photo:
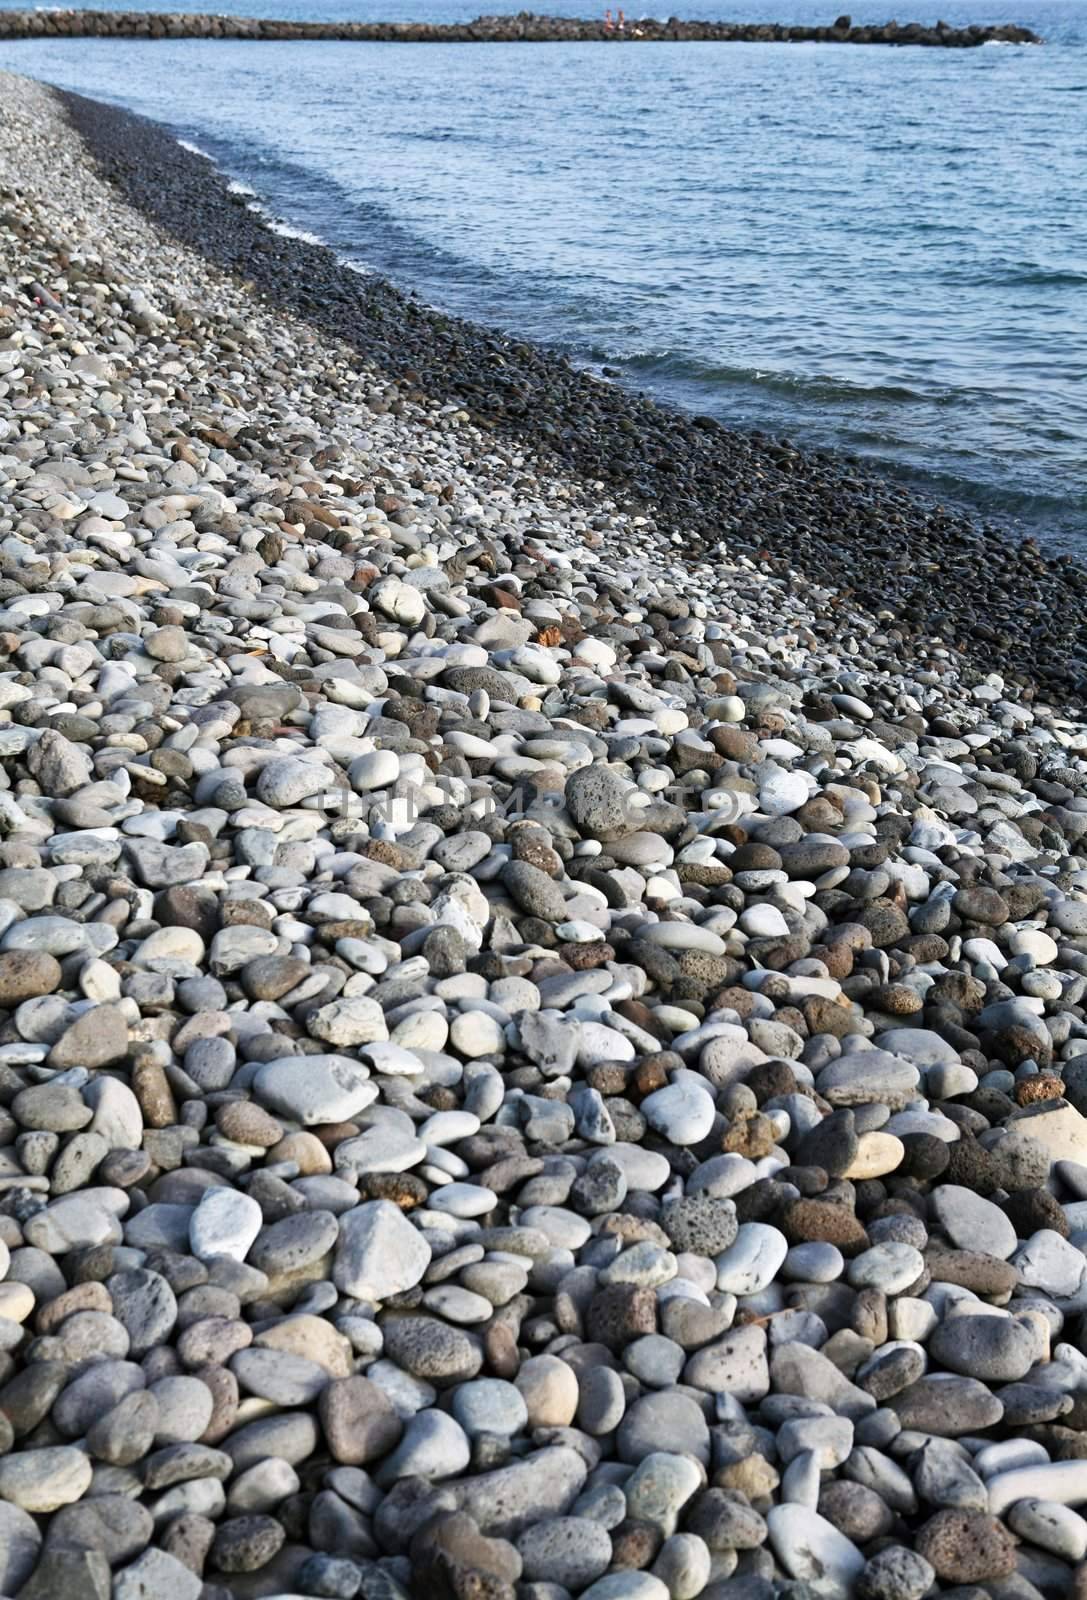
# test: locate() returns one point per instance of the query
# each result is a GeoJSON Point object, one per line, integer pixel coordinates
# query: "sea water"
{"type": "Point", "coordinates": [876, 250]}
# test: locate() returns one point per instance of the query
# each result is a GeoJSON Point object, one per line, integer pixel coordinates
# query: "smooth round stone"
{"type": "Point", "coordinates": [386, 1147]}
{"type": "Point", "coordinates": [722, 1176]}
{"type": "Point", "coordinates": [1069, 916]}
{"type": "Point", "coordinates": [996, 1349]}
{"type": "Point", "coordinates": [490, 1405]}
{"type": "Point", "coordinates": [869, 1076]}
{"type": "Point", "coordinates": [565, 1229]}
{"type": "Point", "coordinates": [659, 1488]}
{"type": "Point", "coordinates": [973, 1223]}
{"type": "Point", "coordinates": [395, 1058]}
{"type": "Point", "coordinates": [680, 1112]}
{"type": "Point", "coordinates": [645, 1170]}
{"type": "Point", "coordinates": [666, 1421]}
{"type": "Point", "coordinates": [20, 1543]}
{"type": "Point", "coordinates": [1033, 942]}
{"type": "Point", "coordinates": [378, 770]}
{"type": "Point", "coordinates": [598, 1043]}
{"type": "Point", "coordinates": [549, 1389]}
{"type": "Point", "coordinates": [829, 1439]}
{"type": "Point", "coordinates": [1062, 1481]}
{"type": "Point", "coordinates": [279, 1377]}
{"type": "Point", "coordinates": [496, 1279]}
{"type": "Point", "coordinates": [782, 792]}
{"type": "Point", "coordinates": [40, 1481]}
{"type": "Point", "coordinates": [1050, 1263]}
{"type": "Point", "coordinates": [601, 1401]}
{"type": "Point", "coordinates": [171, 944]}
{"type": "Point", "coordinates": [877, 1154]}
{"type": "Point", "coordinates": [764, 922]}
{"type": "Point", "coordinates": [570, 1551]}
{"type": "Point", "coordinates": [984, 950]}
{"type": "Point", "coordinates": [813, 1263]}
{"type": "Point", "coordinates": [920, 1045]}
{"type": "Point", "coordinates": [378, 1253]}
{"type": "Point", "coordinates": [345, 1023]}
{"type": "Point", "coordinates": [896, 1573]}
{"type": "Point", "coordinates": [446, 1127]}
{"type": "Point", "coordinates": [813, 1551]}
{"type": "Point", "coordinates": [434, 1446]}
{"type": "Point", "coordinates": [626, 1586]}
{"type": "Point", "coordinates": [463, 1200]}
{"type": "Point", "coordinates": [950, 1406]}
{"type": "Point", "coordinates": [683, 1565]}
{"type": "Point", "coordinates": [16, 1301]}
{"type": "Point", "coordinates": [458, 1305]}
{"type": "Point", "coordinates": [751, 1264]}
{"type": "Point", "coordinates": [225, 1223]}
{"type": "Point", "coordinates": [315, 1089]}
{"type": "Point", "coordinates": [473, 1034]}
{"type": "Point", "coordinates": [947, 1080]}
{"type": "Point", "coordinates": [1050, 1526]}
{"type": "Point", "coordinates": [654, 1360]}
{"type": "Point", "coordinates": [644, 1264]}
{"type": "Point", "coordinates": [891, 1267]}
{"type": "Point", "coordinates": [683, 936]}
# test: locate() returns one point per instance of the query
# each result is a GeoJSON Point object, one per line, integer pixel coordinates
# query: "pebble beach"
{"type": "Point", "coordinates": [543, 949]}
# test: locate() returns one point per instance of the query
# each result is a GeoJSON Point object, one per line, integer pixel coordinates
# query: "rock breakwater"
{"type": "Point", "coordinates": [525, 27]}
{"type": "Point", "coordinates": [533, 1064]}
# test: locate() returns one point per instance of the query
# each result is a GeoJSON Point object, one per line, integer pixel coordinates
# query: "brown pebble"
{"type": "Point", "coordinates": [26, 974]}
{"type": "Point", "coordinates": [307, 1150]}
{"type": "Point", "coordinates": [225, 1400]}
{"type": "Point", "coordinates": [359, 1420]}
{"type": "Point", "coordinates": [152, 1089]}
{"type": "Point", "coordinates": [246, 1123]}
{"type": "Point", "coordinates": [634, 1545]}
{"type": "Point", "coordinates": [84, 1297]}
{"type": "Point", "coordinates": [966, 1546]}
{"type": "Point", "coordinates": [500, 1348]}
{"type": "Point", "coordinates": [855, 1510]}
{"type": "Point", "coordinates": [581, 957]}
{"type": "Point", "coordinates": [620, 1313]}
{"type": "Point", "coordinates": [971, 1269]}
{"type": "Point", "coordinates": [825, 1222]}
{"type": "Point", "coordinates": [404, 1189]}
{"type": "Point", "coordinates": [1043, 1087]}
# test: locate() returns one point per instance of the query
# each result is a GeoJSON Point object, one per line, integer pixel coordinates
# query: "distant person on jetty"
{"type": "Point", "coordinates": [609, 25]}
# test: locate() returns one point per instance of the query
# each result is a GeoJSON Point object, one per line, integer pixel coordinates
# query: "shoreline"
{"type": "Point", "coordinates": [948, 578]}
{"type": "Point", "coordinates": [524, 28]}
{"type": "Point", "coordinates": [536, 1064]}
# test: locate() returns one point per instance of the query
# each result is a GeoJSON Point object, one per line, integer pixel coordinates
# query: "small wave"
{"type": "Point", "coordinates": [286, 231]}
{"type": "Point", "coordinates": [1052, 275]}
{"type": "Point", "coordinates": [234, 187]}
{"type": "Point", "coordinates": [820, 386]}
{"type": "Point", "coordinates": [1030, 273]}
{"type": "Point", "coordinates": [195, 150]}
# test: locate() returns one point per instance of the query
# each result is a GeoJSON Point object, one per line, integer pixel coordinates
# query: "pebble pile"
{"type": "Point", "coordinates": [530, 1066]}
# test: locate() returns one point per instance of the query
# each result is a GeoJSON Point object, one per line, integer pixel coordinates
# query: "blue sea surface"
{"type": "Point", "coordinates": [875, 250]}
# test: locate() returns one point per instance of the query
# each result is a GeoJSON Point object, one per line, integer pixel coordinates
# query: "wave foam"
{"type": "Point", "coordinates": [286, 231]}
